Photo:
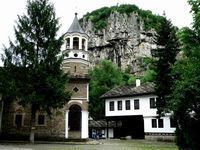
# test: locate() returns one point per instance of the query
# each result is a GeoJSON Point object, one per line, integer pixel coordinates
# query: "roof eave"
{"type": "Point", "coordinates": [128, 95]}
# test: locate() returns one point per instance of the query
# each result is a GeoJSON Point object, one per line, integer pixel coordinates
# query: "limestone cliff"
{"type": "Point", "coordinates": [124, 39]}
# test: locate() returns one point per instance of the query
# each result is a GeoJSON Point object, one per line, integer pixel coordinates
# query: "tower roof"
{"type": "Point", "coordinates": [75, 26]}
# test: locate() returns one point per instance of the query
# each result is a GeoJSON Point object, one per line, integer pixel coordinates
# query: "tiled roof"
{"type": "Point", "coordinates": [75, 26]}
{"type": "Point", "coordinates": [130, 90]}
{"type": "Point", "coordinates": [101, 124]}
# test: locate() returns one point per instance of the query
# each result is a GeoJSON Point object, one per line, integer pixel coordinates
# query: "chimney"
{"type": "Point", "coordinates": [137, 82]}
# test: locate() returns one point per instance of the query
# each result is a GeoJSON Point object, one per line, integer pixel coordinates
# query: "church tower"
{"type": "Point", "coordinates": [76, 64]}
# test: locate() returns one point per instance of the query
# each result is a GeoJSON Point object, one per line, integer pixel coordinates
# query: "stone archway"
{"type": "Point", "coordinates": [74, 123]}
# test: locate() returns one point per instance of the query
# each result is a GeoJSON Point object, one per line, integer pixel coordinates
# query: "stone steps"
{"type": "Point", "coordinates": [74, 134]}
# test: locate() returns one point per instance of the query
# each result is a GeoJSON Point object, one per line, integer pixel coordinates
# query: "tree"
{"type": "Point", "coordinates": [167, 49]}
{"type": "Point", "coordinates": [185, 97]}
{"type": "Point", "coordinates": [33, 61]}
{"type": "Point", "coordinates": [104, 76]}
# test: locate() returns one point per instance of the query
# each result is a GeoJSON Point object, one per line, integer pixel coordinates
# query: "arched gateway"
{"type": "Point", "coordinates": [76, 64]}
{"type": "Point", "coordinates": [75, 118]}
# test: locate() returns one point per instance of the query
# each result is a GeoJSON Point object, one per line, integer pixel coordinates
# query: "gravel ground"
{"type": "Point", "coordinates": [94, 145]}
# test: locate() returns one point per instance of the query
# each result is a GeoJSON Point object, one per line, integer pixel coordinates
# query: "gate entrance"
{"type": "Point", "coordinates": [75, 122]}
{"type": "Point", "coordinates": [129, 126]}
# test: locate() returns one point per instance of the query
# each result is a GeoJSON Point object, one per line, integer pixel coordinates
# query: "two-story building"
{"type": "Point", "coordinates": [134, 110]}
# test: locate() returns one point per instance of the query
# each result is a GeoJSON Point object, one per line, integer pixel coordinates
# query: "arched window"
{"type": "Point", "coordinates": [68, 43]}
{"type": "Point", "coordinates": [83, 44]}
{"type": "Point", "coordinates": [75, 43]}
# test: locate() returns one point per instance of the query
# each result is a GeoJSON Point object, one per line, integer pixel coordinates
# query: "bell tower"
{"type": "Point", "coordinates": [76, 64]}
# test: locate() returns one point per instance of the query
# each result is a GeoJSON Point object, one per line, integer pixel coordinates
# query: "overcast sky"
{"type": "Point", "coordinates": [176, 10]}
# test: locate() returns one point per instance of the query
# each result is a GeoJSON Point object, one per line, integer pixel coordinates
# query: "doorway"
{"type": "Point", "coordinates": [74, 122]}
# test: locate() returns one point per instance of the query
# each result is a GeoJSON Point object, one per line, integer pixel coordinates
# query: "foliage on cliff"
{"type": "Point", "coordinates": [99, 17]}
{"type": "Point", "coordinates": [104, 76]}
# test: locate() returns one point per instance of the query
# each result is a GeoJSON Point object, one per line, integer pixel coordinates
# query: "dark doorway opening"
{"type": "Point", "coordinates": [129, 126]}
{"type": "Point", "coordinates": [75, 118]}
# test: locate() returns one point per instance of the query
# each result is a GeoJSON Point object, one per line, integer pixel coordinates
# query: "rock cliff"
{"type": "Point", "coordinates": [124, 40]}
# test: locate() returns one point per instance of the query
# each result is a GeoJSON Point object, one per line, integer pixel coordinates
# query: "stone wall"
{"type": "Point", "coordinates": [53, 127]}
{"type": "Point", "coordinates": [74, 68]}
{"type": "Point", "coordinates": [79, 90]}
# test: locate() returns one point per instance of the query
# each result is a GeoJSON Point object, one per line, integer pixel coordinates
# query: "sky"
{"type": "Point", "coordinates": [178, 11]}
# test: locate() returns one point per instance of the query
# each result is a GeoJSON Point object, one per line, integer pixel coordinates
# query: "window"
{"type": "Point", "coordinates": [128, 104]}
{"type": "Point", "coordinates": [136, 104]}
{"type": "Point", "coordinates": [67, 43]}
{"type": "Point", "coordinates": [172, 123]}
{"type": "Point", "coordinates": [160, 123]}
{"type": "Point", "coordinates": [119, 105]}
{"type": "Point", "coordinates": [112, 106]}
{"type": "Point", "coordinates": [41, 120]}
{"type": "Point", "coordinates": [152, 103]}
{"type": "Point", "coordinates": [18, 120]}
{"type": "Point", "coordinates": [76, 43]}
{"type": "Point", "coordinates": [83, 44]}
{"type": "Point", "coordinates": [75, 55]}
{"type": "Point", "coordinates": [75, 89]}
{"type": "Point", "coordinates": [154, 123]}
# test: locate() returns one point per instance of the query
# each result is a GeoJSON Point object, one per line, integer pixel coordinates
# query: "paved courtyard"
{"type": "Point", "coordinates": [94, 145]}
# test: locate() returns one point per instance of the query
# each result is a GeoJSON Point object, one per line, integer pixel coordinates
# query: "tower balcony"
{"type": "Point", "coordinates": [74, 53]}
{"type": "Point", "coordinates": [76, 60]}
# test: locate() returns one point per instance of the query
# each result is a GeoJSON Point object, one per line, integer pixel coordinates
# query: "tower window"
{"type": "Point", "coordinates": [83, 56]}
{"type": "Point", "coordinates": [76, 43]}
{"type": "Point", "coordinates": [75, 55]}
{"type": "Point", "coordinates": [67, 43]}
{"type": "Point", "coordinates": [75, 89]}
{"type": "Point", "coordinates": [66, 54]}
{"type": "Point", "coordinates": [83, 44]}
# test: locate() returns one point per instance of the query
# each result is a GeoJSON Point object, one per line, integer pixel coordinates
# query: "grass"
{"type": "Point", "coordinates": [99, 145]}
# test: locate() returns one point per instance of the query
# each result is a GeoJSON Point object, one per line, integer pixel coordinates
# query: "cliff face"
{"type": "Point", "coordinates": [123, 41]}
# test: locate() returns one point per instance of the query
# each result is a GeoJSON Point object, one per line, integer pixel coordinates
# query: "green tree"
{"type": "Point", "coordinates": [167, 49]}
{"type": "Point", "coordinates": [8, 89]}
{"type": "Point", "coordinates": [185, 101]}
{"type": "Point", "coordinates": [185, 98]}
{"type": "Point", "coordinates": [149, 76]}
{"type": "Point", "coordinates": [104, 76]}
{"type": "Point", "coordinates": [33, 61]}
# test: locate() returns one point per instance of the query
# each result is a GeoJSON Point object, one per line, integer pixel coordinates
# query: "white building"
{"type": "Point", "coordinates": [134, 110]}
